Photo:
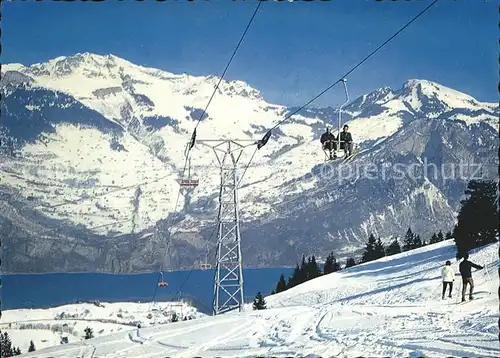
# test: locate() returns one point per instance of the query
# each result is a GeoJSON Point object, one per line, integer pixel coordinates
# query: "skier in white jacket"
{"type": "Point", "coordinates": [448, 275]}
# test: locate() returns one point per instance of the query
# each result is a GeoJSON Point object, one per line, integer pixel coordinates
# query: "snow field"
{"type": "Point", "coordinates": [389, 307]}
{"type": "Point", "coordinates": [45, 326]}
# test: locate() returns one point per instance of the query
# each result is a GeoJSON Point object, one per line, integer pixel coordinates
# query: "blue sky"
{"type": "Point", "coordinates": [291, 52]}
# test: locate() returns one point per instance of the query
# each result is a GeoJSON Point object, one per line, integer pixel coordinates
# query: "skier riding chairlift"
{"type": "Point", "coordinates": [346, 141]}
{"type": "Point", "coordinates": [328, 141]}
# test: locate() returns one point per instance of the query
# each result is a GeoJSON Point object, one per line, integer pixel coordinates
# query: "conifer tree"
{"type": "Point", "coordinates": [477, 223]}
{"type": "Point", "coordinates": [409, 240]}
{"type": "Point", "coordinates": [313, 270]}
{"type": "Point", "coordinates": [281, 285]}
{"type": "Point", "coordinates": [440, 236]}
{"type": "Point", "coordinates": [434, 239]}
{"type": "Point", "coordinates": [379, 249]}
{"type": "Point", "coordinates": [175, 317]}
{"type": "Point", "coordinates": [31, 347]}
{"type": "Point", "coordinates": [393, 248]}
{"type": "Point", "coordinates": [259, 303]}
{"type": "Point", "coordinates": [350, 262]}
{"type": "Point", "coordinates": [335, 265]}
{"type": "Point", "coordinates": [6, 349]}
{"type": "Point", "coordinates": [449, 236]}
{"type": "Point", "coordinates": [89, 333]}
{"type": "Point", "coordinates": [327, 268]}
{"type": "Point", "coordinates": [302, 277]}
{"type": "Point", "coordinates": [293, 280]}
{"type": "Point", "coordinates": [417, 242]}
{"type": "Point", "coordinates": [331, 264]}
{"type": "Point", "coordinates": [369, 253]}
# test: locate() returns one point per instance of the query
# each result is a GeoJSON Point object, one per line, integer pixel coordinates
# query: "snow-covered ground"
{"type": "Point", "coordinates": [390, 307]}
{"type": "Point", "coordinates": [46, 327]}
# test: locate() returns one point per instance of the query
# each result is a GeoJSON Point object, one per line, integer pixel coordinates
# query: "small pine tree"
{"type": "Point", "coordinates": [440, 236]}
{"type": "Point", "coordinates": [350, 262]}
{"type": "Point", "coordinates": [293, 280]}
{"type": "Point", "coordinates": [379, 249]}
{"type": "Point", "coordinates": [175, 317]}
{"type": "Point", "coordinates": [185, 318]}
{"type": "Point", "coordinates": [331, 264]}
{"type": "Point", "coordinates": [327, 267]}
{"type": "Point", "coordinates": [336, 265]}
{"type": "Point", "coordinates": [6, 349]}
{"type": "Point", "coordinates": [259, 303]}
{"type": "Point", "coordinates": [417, 242]}
{"type": "Point", "coordinates": [313, 270]}
{"type": "Point", "coordinates": [434, 239]}
{"type": "Point", "coordinates": [31, 347]}
{"type": "Point", "coordinates": [89, 333]}
{"type": "Point", "coordinates": [448, 235]}
{"type": "Point", "coordinates": [281, 285]}
{"type": "Point", "coordinates": [302, 271]}
{"type": "Point", "coordinates": [369, 253]}
{"type": "Point", "coordinates": [16, 351]}
{"type": "Point", "coordinates": [393, 248]}
{"type": "Point", "coordinates": [409, 240]}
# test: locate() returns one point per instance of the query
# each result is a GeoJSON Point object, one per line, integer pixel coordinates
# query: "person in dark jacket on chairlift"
{"type": "Point", "coordinates": [329, 143]}
{"type": "Point", "coordinates": [346, 141]}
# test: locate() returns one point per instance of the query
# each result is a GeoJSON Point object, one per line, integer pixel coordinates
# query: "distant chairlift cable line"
{"type": "Point", "coordinates": [268, 134]}
{"type": "Point", "coordinates": [193, 137]}
{"type": "Point", "coordinates": [229, 62]}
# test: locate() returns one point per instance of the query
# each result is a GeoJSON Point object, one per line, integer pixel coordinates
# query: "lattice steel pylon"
{"type": "Point", "coordinates": [228, 279]}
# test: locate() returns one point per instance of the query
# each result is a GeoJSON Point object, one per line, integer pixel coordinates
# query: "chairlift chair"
{"type": "Point", "coordinates": [162, 283]}
{"type": "Point", "coordinates": [205, 265]}
{"type": "Point", "coordinates": [189, 182]}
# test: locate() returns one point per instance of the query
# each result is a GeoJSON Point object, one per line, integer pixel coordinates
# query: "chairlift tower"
{"type": "Point", "coordinates": [228, 279]}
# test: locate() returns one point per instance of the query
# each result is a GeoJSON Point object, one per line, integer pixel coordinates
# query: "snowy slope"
{"type": "Point", "coordinates": [390, 307]}
{"type": "Point", "coordinates": [98, 141]}
{"type": "Point", "coordinates": [45, 326]}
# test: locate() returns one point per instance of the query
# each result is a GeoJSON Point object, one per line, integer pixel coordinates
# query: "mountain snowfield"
{"type": "Point", "coordinates": [97, 141]}
{"type": "Point", "coordinates": [388, 307]}
{"type": "Point", "coordinates": [138, 98]}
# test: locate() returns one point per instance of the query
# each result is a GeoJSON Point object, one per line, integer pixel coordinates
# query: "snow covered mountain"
{"type": "Point", "coordinates": [93, 147]}
{"type": "Point", "coordinates": [390, 307]}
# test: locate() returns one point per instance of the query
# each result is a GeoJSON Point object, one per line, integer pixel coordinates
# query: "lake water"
{"type": "Point", "coordinates": [49, 290]}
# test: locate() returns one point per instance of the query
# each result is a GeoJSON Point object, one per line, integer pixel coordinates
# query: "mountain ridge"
{"type": "Point", "coordinates": [124, 126]}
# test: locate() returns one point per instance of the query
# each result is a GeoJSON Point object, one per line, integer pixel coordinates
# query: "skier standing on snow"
{"type": "Point", "coordinates": [465, 271]}
{"type": "Point", "coordinates": [448, 275]}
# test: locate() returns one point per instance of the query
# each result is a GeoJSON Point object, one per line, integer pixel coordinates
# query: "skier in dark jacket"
{"type": "Point", "coordinates": [346, 141]}
{"type": "Point", "coordinates": [328, 142]}
{"type": "Point", "coordinates": [465, 270]}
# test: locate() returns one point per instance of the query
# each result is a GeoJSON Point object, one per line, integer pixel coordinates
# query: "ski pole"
{"type": "Point", "coordinates": [487, 272]}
